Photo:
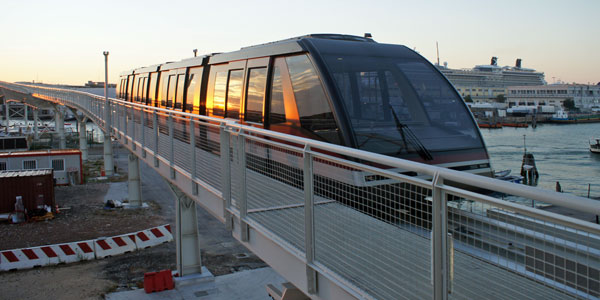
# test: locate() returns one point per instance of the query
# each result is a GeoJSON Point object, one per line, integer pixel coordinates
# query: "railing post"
{"type": "Point", "coordinates": [143, 131]}
{"type": "Point", "coordinates": [225, 175]}
{"type": "Point", "coordinates": [125, 126]}
{"type": "Point", "coordinates": [243, 205]}
{"type": "Point", "coordinates": [439, 240]}
{"type": "Point", "coordinates": [133, 128]}
{"type": "Point", "coordinates": [193, 154]}
{"type": "Point", "coordinates": [155, 120]}
{"type": "Point", "coordinates": [172, 147]}
{"type": "Point", "coordinates": [309, 220]}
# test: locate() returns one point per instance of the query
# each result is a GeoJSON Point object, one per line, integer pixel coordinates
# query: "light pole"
{"type": "Point", "coordinates": [108, 151]}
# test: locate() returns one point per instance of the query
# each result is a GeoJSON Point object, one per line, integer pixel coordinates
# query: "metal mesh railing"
{"type": "Point", "coordinates": [538, 257]}
{"type": "Point", "coordinates": [380, 227]}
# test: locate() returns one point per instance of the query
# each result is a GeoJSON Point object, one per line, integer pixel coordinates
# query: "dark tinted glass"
{"type": "Point", "coordinates": [234, 93]}
{"type": "Point", "coordinates": [171, 90]}
{"type": "Point", "coordinates": [219, 94]}
{"type": "Point", "coordinates": [179, 94]}
{"type": "Point", "coordinates": [257, 80]}
{"type": "Point", "coordinates": [313, 106]}
{"type": "Point", "coordinates": [193, 89]}
{"type": "Point", "coordinates": [398, 105]}
{"type": "Point", "coordinates": [277, 108]}
{"type": "Point", "coordinates": [145, 89]}
{"type": "Point", "coordinates": [152, 89]}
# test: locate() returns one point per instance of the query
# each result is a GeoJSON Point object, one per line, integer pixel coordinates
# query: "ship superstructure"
{"type": "Point", "coordinates": [485, 83]}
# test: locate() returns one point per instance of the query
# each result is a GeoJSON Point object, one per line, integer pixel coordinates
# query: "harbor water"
{"type": "Point", "coordinates": [561, 154]}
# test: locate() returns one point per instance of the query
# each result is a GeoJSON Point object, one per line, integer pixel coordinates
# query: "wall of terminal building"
{"type": "Point", "coordinates": [585, 97]}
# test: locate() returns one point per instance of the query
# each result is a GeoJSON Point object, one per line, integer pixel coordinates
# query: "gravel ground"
{"type": "Point", "coordinates": [86, 219]}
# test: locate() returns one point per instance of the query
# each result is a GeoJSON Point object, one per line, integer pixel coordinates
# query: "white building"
{"type": "Point", "coordinates": [585, 96]}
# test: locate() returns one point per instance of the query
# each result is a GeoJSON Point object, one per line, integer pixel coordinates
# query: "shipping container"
{"type": "Point", "coordinates": [36, 187]}
{"type": "Point", "coordinates": [66, 163]}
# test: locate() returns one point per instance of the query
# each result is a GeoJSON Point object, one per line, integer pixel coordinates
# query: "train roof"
{"type": "Point", "coordinates": [286, 46]}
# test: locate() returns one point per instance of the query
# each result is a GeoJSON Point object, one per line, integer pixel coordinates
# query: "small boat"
{"type": "Point", "coordinates": [489, 125]}
{"type": "Point", "coordinates": [504, 175]}
{"type": "Point", "coordinates": [561, 117]}
{"type": "Point", "coordinates": [595, 148]}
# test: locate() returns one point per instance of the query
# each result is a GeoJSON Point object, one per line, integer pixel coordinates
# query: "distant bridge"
{"type": "Point", "coordinates": [343, 223]}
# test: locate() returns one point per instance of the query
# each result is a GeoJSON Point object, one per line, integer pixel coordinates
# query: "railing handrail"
{"type": "Point", "coordinates": [535, 193]}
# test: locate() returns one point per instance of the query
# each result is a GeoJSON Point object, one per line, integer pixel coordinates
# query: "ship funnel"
{"type": "Point", "coordinates": [494, 61]}
{"type": "Point", "coordinates": [518, 63]}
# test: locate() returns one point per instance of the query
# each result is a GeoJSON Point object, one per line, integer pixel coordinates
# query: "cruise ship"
{"type": "Point", "coordinates": [486, 82]}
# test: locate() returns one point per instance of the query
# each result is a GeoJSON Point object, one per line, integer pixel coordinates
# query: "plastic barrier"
{"type": "Point", "coordinates": [158, 281]}
{"type": "Point", "coordinates": [115, 245]}
{"type": "Point", "coordinates": [25, 258]}
{"type": "Point", "coordinates": [153, 236]}
{"type": "Point", "coordinates": [46, 255]}
{"type": "Point", "coordinates": [22, 259]}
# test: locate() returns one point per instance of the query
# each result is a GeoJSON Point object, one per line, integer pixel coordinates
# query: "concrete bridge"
{"type": "Point", "coordinates": [341, 223]}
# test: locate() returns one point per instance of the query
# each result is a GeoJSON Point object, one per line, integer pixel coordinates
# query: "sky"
{"type": "Point", "coordinates": [62, 42]}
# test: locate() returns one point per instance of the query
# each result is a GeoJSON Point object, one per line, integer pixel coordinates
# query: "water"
{"type": "Point", "coordinates": [561, 154]}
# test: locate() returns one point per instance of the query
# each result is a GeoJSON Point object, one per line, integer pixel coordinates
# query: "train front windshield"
{"type": "Point", "coordinates": [399, 105]}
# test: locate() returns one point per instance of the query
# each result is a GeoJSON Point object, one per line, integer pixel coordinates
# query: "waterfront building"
{"type": "Point", "coordinates": [484, 83]}
{"type": "Point", "coordinates": [586, 97]}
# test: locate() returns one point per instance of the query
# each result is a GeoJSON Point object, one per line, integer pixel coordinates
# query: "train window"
{"type": "Point", "coordinates": [163, 88]}
{"type": "Point", "coordinates": [313, 106]}
{"type": "Point", "coordinates": [234, 93]}
{"type": "Point", "coordinates": [129, 91]}
{"type": "Point", "coordinates": [138, 91]}
{"type": "Point", "coordinates": [276, 108]}
{"type": "Point", "coordinates": [171, 90]}
{"type": "Point", "coordinates": [179, 94]}
{"type": "Point", "coordinates": [120, 89]}
{"type": "Point", "coordinates": [144, 97]}
{"type": "Point", "coordinates": [219, 94]}
{"type": "Point", "coordinates": [400, 105]}
{"type": "Point", "coordinates": [152, 88]}
{"type": "Point", "coordinates": [193, 89]}
{"type": "Point", "coordinates": [257, 81]}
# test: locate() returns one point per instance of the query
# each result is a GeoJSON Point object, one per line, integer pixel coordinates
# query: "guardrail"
{"type": "Point", "coordinates": [354, 219]}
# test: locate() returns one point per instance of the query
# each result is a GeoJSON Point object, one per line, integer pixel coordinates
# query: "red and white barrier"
{"type": "Point", "coordinates": [153, 236]}
{"type": "Point", "coordinates": [46, 255]}
{"type": "Point", "coordinates": [22, 259]}
{"type": "Point", "coordinates": [85, 250]}
{"type": "Point", "coordinates": [115, 245]}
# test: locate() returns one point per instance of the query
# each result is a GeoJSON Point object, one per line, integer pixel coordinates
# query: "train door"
{"type": "Point", "coordinates": [254, 99]}
{"type": "Point", "coordinates": [225, 90]}
{"type": "Point", "coordinates": [178, 97]}
{"type": "Point", "coordinates": [153, 89]}
{"type": "Point", "coordinates": [193, 91]}
{"type": "Point", "coordinates": [130, 86]}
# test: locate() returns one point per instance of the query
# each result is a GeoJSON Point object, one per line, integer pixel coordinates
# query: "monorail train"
{"type": "Point", "coordinates": [341, 89]}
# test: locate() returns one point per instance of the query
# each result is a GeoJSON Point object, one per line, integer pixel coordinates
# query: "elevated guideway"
{"type": "Point", "coordinates": [341, 223]}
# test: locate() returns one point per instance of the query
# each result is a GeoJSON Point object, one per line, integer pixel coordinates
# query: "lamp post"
{"type": "Point", "coordinates": [108, 151]}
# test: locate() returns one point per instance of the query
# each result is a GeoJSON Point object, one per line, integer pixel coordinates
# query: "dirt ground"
{"type": "Point", "coordinates": [81, 218]}
{"type": "Point", "coordinates": [86, 219]}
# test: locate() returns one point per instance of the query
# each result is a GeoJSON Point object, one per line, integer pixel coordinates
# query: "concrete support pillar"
{"type": "Point", "coordinates": [36, 132]}
{"type": "Point", "coordinates": [83, 146]}
{"type": "Point", "coordinates": [109, 164]}
{"type": "Point", "coordinates": [59, 120]}
{"type": "Point", "coordinates": [135, 183]}
{"type": "Point", "coordinates": [187, 240]}
{"type": "Point", "coordinates": [26, 114]}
